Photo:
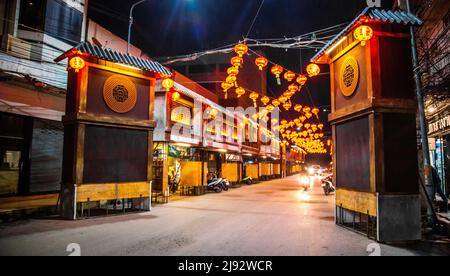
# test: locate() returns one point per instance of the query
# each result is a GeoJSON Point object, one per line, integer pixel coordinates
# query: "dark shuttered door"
{"type": "Point", "coordinates": [46, 156]}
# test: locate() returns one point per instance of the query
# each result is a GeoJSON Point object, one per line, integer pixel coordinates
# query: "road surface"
{"type": "Point", "coordinates": [268, 219]}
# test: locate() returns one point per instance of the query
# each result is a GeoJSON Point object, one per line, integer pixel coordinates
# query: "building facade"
{"type": "Point", "coordinates": [32, 91]}
{"type": "Point", "coordinates": [433, 46]}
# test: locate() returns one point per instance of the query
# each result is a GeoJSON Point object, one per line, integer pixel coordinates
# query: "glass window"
{"type": "Point", "coordinates": [63, 22]}
{"type": "Point", "coordinates": [32, 15]}
{"type": "Point", "coordinates": [54, 17]}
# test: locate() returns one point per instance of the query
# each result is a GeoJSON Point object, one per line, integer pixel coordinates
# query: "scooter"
{"type": "Point", "coordinates": [248, 180]}
{"type": "Point", "coordinates": [327, 185]}
{"type": "Point", "coordinates": [225, 184]}
{"type": "Point", "coordinates": [215, 185]}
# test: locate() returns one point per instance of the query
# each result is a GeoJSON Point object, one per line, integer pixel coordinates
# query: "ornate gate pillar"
{"type": "Point", "coordinates": [374, 126]}
{"type": "Point", "coordinates": [108, 128]}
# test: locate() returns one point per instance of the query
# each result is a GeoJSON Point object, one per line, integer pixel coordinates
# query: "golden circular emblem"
{"type": "Point", "coordinates": [120, 94]}
{"type": "Point", "coordinates": [349, 76]}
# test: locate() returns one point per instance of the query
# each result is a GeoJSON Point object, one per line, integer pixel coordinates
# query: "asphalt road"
{"type": "Point", "coordinates": [271, 218]}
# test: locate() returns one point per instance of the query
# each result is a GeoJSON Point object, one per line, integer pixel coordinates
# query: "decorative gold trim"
{"type": "Point", "coordinates": [349, 76]}
{"type": "Point", "coordinates": [120, 94]}
{"type": "Point", "coordinates": [79, 153]}
{"type": "Point", "coordinates": [119, 71]}
{"type": "Point", "coordinates": [364, 203]}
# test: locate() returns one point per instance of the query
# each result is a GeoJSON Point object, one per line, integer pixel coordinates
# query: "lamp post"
{"type": "Point", "coordinates": [130, 25]}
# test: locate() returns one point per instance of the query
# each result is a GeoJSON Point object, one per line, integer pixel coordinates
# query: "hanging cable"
{"type": "Point", "coordinates": [254, 19]}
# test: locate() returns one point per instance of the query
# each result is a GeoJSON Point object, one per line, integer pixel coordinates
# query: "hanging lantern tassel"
{"type": "Point", "coordinates": [226, 86]}
{"type": "Point", "coordinates": [254, 96]}
{"type": "Point", "coordinates": [240, 92]}
{"type": "Point", "coordinates": [277, 70]}
{"type": "Point", "coordinates": [261, 62]}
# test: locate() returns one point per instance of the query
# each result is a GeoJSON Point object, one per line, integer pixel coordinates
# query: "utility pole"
{"type": "Point", "coordinates": [130, 24]}
{"type": "Point", "coordinates": [428, 174]}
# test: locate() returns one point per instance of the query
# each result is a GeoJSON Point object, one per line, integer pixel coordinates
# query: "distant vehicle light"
{"type": "Point", "coordinates": [305, 181]}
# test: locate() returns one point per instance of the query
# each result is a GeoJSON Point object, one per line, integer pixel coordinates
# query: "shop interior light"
{"type": "Point", "coordinates": [183, 145]}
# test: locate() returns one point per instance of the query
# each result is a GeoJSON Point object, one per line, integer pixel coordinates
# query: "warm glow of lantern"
{"type": "Point", "coordinates": [276, 103]}
{"type": "Point", "coordinates": [77, 63]}
{"type": "Point", "coordinates": [282, 99]}
{"type": "Point", "coordinates": [226, 86]}
{"type": "Point", "coordinates": [241, 49]}
{"type": "Point", "coordinates": [167, 84]}
{"type": "Point", "coordinates": [270, 108]}
{"type": "Point", "coordinates": [237, 61]}
{"type": "Point", "coordinates": [316, 111]}
{"type": "Point", "coordinates": [313, 70]}
{"type": "Point", "coordinates": [240, 92]}
{"type": "Point", "coordinates": [363, 34]}
{"type": "Point", "coordinates": [261, 62]}
{"type": "Point", "coordinates": [287, 106]}
{"type": "Point", "coordinates": [289, 76]}
{"type": "Point", "coordinates": [302, 79]}
{"type": "Point", "coordinates": [231, 80]}
{"type": "Point", "coordinates": [176, 96]}
{"type": "Point", "coordinates": [277, 70]}
{"type": "Point", "coordinates": [254, 96]}
{"type": "Point", "coordinates": [298, 108]}
{"type": "Point", "coordinates": [293, 88]}
{"type": "Point", "coordinates": [265, 100]}
{"type": "Point", "coordinates": [233, 71]}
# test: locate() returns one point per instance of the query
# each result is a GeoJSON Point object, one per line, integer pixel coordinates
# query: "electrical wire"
{"type": "Point", "coordinates": [312, 40]}
{"type": "Point", "coordinates": [254, 19]}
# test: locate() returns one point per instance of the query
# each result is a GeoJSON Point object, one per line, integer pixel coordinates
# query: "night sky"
{"type": "Point", "coordinates": [176, 27]}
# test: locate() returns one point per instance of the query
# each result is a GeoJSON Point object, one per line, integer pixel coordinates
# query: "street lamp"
{"type": "Point", "coordinates": [130, 25]}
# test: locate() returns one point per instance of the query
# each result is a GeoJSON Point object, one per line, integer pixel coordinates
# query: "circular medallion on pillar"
{"type": "Point", "coordinates": [349, 76]}
{"type": "Point", "coordinates": [120, 94]}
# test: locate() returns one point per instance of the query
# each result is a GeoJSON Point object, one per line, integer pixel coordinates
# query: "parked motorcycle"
{"type": "Point", "coordinates": [215, 185]}
{"type": "Point", "coordinates": [218, 184]}
{"type": "Point", "coordinates": [248, 180]}
{"type": "Point", "coordinates": [327, 185]}
{"type": "Point", "coordinates": [226, 184]}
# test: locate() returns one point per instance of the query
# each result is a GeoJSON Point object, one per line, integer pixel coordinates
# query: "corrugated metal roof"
{"type": "Point", "coordinates": [116, 57]}
{"type": "Point", "coordinates": [374, 15]}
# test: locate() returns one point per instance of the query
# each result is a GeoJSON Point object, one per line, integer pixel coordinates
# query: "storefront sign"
{"type": "Point", "coordinates": [439, 126]}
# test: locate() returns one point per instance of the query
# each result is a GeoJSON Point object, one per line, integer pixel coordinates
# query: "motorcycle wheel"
{"type": "Point", "coordinates": [218, 190]}
{"type": "Point", "coordinates": [226, 188]}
